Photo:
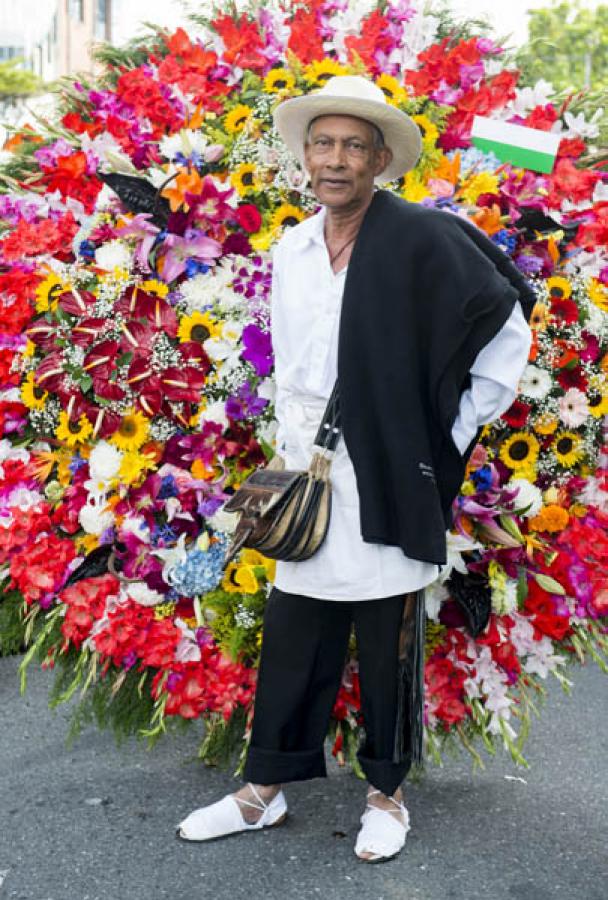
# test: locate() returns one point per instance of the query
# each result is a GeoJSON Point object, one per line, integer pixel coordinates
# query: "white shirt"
{"type": "Point", "coordinates": [306, 302]}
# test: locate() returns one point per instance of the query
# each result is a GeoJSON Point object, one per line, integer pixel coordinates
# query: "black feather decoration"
{"type": "Point", "coordinates": [534, 220]}
{"type": "Point", "coordinates": [94, 564]}
{"type": "Point", "coordinates": [139, 196]}
{"type": "Point", "coordinates": [474, 597]}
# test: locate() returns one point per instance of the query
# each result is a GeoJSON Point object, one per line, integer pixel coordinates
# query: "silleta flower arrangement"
{"type": "Point", "coordinates": [136, 388]}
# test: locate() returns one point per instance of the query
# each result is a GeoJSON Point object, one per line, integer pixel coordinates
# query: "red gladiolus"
{"type": "Point", "coordinates": [305, 40]}
{"type": "Point", "coordinates": [26, 525]}
{"type": "Point", "coordinates": [540, 606]}
{"type": "Point", "coordinates": [52, 236]}
{"type": "Point", "coordinates": [542, 117]}
{"type": "Point", "coordinates": [161, 644]}
{"type": "Point", "coordinates": [243, 42]}
{"type": "Point", "coordinates": [38, 568]}
{"type": "Point", "coordinates": [85, 602]}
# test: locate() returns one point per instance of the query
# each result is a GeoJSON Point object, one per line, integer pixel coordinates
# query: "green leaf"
{"type": "Point", "coordinates": [549, 584]}
{"type": "Point", "coordinates": [522, 587]}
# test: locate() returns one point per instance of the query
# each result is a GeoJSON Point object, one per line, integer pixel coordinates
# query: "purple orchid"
{"type": "Point", "coordinates": [177, 250]}
{"type": "Point", "coordinates": [246, 404]}
{"type": "Point", "coordinates": [258, 349]}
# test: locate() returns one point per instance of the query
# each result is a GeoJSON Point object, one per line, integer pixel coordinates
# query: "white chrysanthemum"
{"type": "Point", "coordinates": [94, 517]}
{"type": "Point", "coordinates": [535, 382]}
{"type": "Point", "coordinates": [114, 255]}
{"type": "Point", "coordinates": [573, 409]}
{"type": "Point", "coordinates": [232, 331]}
{"type": "Point", "coordinates": [140, 593]}
{"type": "Point", "coordinates": [528, 495]}
{"type": "Point", "coordinates": [104, 461]}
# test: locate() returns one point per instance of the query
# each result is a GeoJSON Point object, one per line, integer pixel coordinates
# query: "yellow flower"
{"type": "Point", "coordinates": [545, 424]}
{"type": "Point", "coordinates": [263, 240]}
{"type": "Point", "coordinates": [413, 188]}
{"type": "Point", "coordinates": [319, 71]}
{"type": "Point", "coordinates": [286, 214]}
{"type": "Point", "coordinates": [394, 92]}
{"type": "Point", "coordinates": [237, 118]}
{"type": "Point", "coordinates": [132, 466]}
{"type": "Point", "coordinates": [198, 327]}
{"type": "Point", "coordinates": [597, 403]}
{"type": "Point", "coordinates": [568, 448]}
{"type": "Point", "coordinates": [164, 610]}
{"type": "Point", "coordinates": [598, 293]}
{"type": "Point", "coordinates": [245, 180]}
{"type": "Point", "coordinates": [550, 518]}
{"type": "Point", "coordinates": [520, 451]}
{"type": "Point", "coordinates": [540, 316]}
{"type": "Point", "coordinates": [132, 431]}
{"type": "Point", "coordinates": [71, 432]}
{"type": "Point", "coordinates": [558, 287]}
{"type": "Point", "coordinates": [29, 349]}
{"type": "Point", "coordinates": [240, 579]}
{"type": "Point", "coordinates": [32, 395]}
{"type": "Point", "coordinates": [86, 543]}
{"type": "Point", "coordinates": [468, 488]}
{"type": "Point", "coordinates": [482, 183]}
{"type": "Point", "coordinates": [279, 80]}
{"type": "Point", "coordinates": [430, 132]}
{"type": "Point", "coordinates": [48, 292]}
{"type": "Point", "coordinates": [155, 287]}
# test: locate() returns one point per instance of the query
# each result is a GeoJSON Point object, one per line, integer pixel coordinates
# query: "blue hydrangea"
{"type": "Point", "coordinates": [472, 158]}
{"type": "Point", "coordinates": [201, 570]}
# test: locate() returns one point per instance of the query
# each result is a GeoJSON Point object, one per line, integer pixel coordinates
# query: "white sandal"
{"type": "Point", "coordinates": [225, 817]}
{"type": "Point", "coordinates": [381, 833]}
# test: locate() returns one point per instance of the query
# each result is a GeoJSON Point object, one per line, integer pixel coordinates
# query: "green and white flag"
{"type": "Point", "coordinates": [517, 144]}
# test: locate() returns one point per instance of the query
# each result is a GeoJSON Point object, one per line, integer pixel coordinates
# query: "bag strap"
{"type": "Point", "coordinates": [330, 428]}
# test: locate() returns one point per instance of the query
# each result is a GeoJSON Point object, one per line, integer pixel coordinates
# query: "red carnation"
{"type": "Point", "coordinates": [249, 218]}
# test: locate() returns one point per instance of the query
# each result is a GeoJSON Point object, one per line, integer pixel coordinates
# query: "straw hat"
{"type": "Point", "coordinates": [352, 95]}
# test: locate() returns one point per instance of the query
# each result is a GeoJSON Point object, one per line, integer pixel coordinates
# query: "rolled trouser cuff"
{"type": "Point", "coordinates": [277, 767]}
{"type": "Point", "coordinates": [384, 775]}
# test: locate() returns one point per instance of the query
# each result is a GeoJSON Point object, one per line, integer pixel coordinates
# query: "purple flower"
{"type": "Point", "coordinates": [258, 349]}
{"type": "Point", "coordinates": [246, 404]}
{"type": "Point", "coordinates": [177, 250]}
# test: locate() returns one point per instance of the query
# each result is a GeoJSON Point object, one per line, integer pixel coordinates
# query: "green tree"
{"type": "Point", "coordinates": [567, 45]}
{"type": "Point", "coordinates": [16, 83]}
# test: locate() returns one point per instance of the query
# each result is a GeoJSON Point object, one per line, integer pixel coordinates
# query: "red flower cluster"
{"type": "Point", "coordinates": [37, 569]}
{"type": "Point", "coordinates": [593, 233]}
{"type": "Point", "coordinates": [482, 101]}
{"type": "Point", "coordinates": [541, 607]}
{"type": "Point", "coordinates": [25, 526]}
{"type": "Point", "coordinates": [569, 183]}
{"type": "Point", "coordinates": [215, 684]}
{"type": "Point", "coordinates": [305, 39]}
{"type": "Point", "coordinates": [7, 376]}
{"type": "Point", "coordinates": [503, 652]}
{"type": "Point", "coordinates": [189, 66]}
{"type": "Point", "coordinates": [69, 176]}
{"type": "Point", "coordinates": [17, 292]}
{"type": "Point", "coordinates": [52, 236]}
{"type": "Point", "coordinates": [444, 684]}
{"type": "Point", "coordinates": [243, 42]}
{"type": "Point", "coordinates": [372, 43]}
{"type": "Point", "coordinates": [85, 603]}
{"type": "Point", "coordinates": [145, 96]}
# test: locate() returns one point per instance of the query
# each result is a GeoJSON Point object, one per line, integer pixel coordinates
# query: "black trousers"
{"type": "Point", "coordinates": [304, 647]}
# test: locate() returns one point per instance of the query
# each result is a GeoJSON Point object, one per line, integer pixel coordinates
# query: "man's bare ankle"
{"type": "Point", "coordinates": [267, 792]}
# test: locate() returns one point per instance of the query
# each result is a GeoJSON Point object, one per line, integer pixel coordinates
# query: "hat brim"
{"type": "Point", "coordinates": [401, 134]}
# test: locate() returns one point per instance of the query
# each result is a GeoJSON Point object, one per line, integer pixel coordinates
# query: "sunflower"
{"type": "Point", "coordinates": [48, 291]}
{"type": "Point", "coordinates": [597, 403]}
{"type": "Point", "coordinates": [245, 179]}
{"type": "Point", "coordinates": [539, 318]}
{"type": "Point", "coordinates": [568, 448]}
{"type": "Point", "coordinates": [198, 327]}
{"type": "Point", "coordinates": [520, 451]}
{"type": "Point", "coordinates": [132, 431]}
{"type": "Point", "coordinates": [394, 92]}
{"type": "Point", "coordinates": [155, 287]}
{"type": "Point", "coordinates": [33, 396]}
{"type": "Point", "coordinates": [429, 130]}
{"type": "Point", "coordinates": [558, 287]}
{"type": "Point", "coordinates": [71, 432]}
{"type": "Point", "coordinates": [320, 71]}
{"type": "Point", "coordinates": [279, 80]}
{"type": "Point", "coordinates": [239, 579]}
{"type": "Point", "coordinates": [286, 214]}
{"type": "Point", "coordinates": [598, 293]}
{"type": "Point", "coordinates": [238, 118]}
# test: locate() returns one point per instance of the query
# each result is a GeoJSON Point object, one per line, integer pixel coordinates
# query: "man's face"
{"type": "Point", "coordinates": [343, 161]}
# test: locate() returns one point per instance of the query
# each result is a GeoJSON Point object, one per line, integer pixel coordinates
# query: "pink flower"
{"type": "Point", "coordinates": [573, 408]}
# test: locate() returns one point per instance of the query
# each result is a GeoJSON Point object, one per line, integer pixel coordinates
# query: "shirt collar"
{"type": "Point", "coordinates": [310, 231]}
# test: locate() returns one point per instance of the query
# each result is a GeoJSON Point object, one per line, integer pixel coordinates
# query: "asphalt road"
{"type": "Point", "coordinates": [97, 823]}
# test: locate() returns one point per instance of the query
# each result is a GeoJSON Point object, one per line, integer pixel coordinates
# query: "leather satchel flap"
{"type": "Point", "coordinates": [262, 490]}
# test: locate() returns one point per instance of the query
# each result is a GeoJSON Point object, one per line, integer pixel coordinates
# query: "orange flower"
{"type": "Point", "coordinates": [566, 356]}
{"type": "Point", "coordinates": [488, 219]}
{"type": "Point", "coordinates": [448, 169]}
{"type": "Point", "coordinates": [187, 182]}
{"type": "Point", "coordinates": [550, 518]}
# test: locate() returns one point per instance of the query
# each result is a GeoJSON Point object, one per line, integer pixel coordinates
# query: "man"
{"type": "Point", "coordinates": [429, 342]}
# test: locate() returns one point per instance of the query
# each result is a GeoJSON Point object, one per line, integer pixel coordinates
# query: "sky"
{"type": "Point", "coordinates": [508, 18]}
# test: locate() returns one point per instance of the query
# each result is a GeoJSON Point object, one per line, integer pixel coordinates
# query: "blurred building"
{"type": "Point", "coordinates": [54, 37]}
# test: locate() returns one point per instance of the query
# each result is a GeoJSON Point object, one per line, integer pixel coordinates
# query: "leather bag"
{"type": "Point", "coordinates": [285, 513]}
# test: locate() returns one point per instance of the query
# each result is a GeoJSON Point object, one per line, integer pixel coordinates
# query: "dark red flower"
{"type": "Point", "coordinates": [517, 414]}
{"type": "Point", "coordinates": [249, 218]}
